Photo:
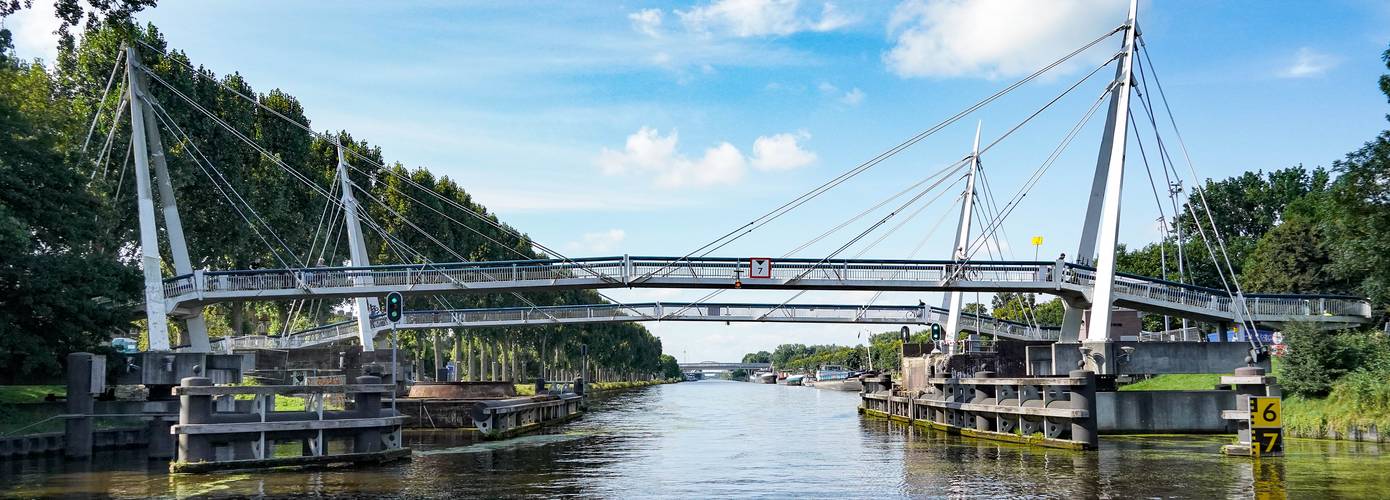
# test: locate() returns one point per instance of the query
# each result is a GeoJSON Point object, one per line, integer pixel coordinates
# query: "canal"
{"type": "Point", "coordinates": [716, 439]}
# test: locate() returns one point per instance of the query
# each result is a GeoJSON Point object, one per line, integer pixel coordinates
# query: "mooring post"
{"type": "Point", "coordinates": [161, 441]}
{"type": "Point", "coordinates": [368, 406]}
{"type": "Point", "coordinates": [78, 430]}
{"type": "Point", "coordinates": [1243, 394]}
{"type": "Point", "coordinates": [1083, 397]}
{"type": "Point", "coordinates": [195, 409]}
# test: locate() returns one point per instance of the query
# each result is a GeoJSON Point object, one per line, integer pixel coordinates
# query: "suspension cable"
{"type": "Point", "coordinates": [762, 220]}
{"type": "Point", "coordinates": [115, 67]}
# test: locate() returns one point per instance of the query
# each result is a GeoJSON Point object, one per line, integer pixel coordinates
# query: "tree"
{"type": "Point", "coordinates": [670, 369]}
{"type": "Point", "coordinates": [59, 290]}
{"type": "Point", "coordinates": [1294, 257]}
{"type": "Point", "coordinates": [758, 357]}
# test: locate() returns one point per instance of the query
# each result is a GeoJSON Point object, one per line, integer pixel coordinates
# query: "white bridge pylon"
{"type": "Point", "coordinates": [653, 311]}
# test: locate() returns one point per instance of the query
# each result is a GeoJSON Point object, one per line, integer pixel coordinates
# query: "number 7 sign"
{"type": "Point", "coordinates": [760, 267]}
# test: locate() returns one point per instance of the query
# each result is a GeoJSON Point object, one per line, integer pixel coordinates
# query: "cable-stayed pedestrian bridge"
{"type": "Point", "coordinates": [717, 366]}
{"type": "Point", "coordinates": [1072, 282]}
{"type": "Point", "coordinates": [394, 217]}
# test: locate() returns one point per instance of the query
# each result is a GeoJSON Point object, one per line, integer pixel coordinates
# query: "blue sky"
{"type": "Point", "coordinates": [654, 127]}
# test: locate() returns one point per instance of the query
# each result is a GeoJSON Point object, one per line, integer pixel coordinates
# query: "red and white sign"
{"type": "Point", "coordinates": [760, 267]}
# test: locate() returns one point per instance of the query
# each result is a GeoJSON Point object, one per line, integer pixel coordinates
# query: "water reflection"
{"type": "Point", "coordinates": [724, 439]}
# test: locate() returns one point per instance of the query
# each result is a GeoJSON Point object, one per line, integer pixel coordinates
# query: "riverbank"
{"type": "Point", "coordinates": [530, 390]}
{"type": "Point", "coordinates": [1355, 409]}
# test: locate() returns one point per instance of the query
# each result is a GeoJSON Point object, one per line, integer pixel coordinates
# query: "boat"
{"type": "Point", "coordinates": [837, 378]}
{"type": "Point", "coordinates": [765, 377]}
{"type": "Point", "coordinates": [795, 379]}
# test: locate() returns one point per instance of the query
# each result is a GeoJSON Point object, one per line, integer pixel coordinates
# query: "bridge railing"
{"type": "Point", "coordinates": [843, 270]}
{"type": "Point", "coordinates": [638, 269]}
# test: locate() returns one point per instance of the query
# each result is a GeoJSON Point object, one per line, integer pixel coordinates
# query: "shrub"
{"type": "Point", "coordinates": [1314, 359]}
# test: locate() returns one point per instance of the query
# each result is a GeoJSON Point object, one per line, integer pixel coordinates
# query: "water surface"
{"type": "Point", "coordinates": [717, 439]}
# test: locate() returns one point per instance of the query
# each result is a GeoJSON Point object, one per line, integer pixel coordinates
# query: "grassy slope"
{"type": "Point", "coordinates": [19, 394]}
{"type": "Point", "coordinates": [530, 390]}
{"type": "Point", "coordinates": [1302, 416]}
{"type": "Point", "coordinates": [1194, 382]}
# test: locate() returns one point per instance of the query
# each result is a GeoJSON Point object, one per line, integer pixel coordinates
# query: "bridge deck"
{"type": "Point", "coordinates": [652, 311]}
{"type": "Point", "coordinates": [1072, 282]}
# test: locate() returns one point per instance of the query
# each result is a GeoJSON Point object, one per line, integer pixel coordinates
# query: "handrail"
{"type": "Point", "coordinates": [670, 271]}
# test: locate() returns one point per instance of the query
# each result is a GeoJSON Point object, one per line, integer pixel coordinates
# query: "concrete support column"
{"type": "Point", "coordinates": [368, 406]}
{"type": "Point", "coordinates": [195, 409]}
{"type": "Point", "coordinates": [459, 365]}
{"type": "Point", "coordinates": [1071, 323]}
{"type": "Point", "coordinates": [1242, 401]}
{"type": "Point", "coordinates": [1083, 397]}
{"type": "Point", "coordinates": [78, 431]}
{"type": "Point", "coordinates": [440, 373]}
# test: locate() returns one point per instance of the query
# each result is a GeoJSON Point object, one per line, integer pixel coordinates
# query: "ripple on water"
{"type": "Point", "coordinates": [716, 439]}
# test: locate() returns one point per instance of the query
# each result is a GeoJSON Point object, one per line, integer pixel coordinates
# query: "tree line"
{"type": "Point", "coordinates": [69, 240]}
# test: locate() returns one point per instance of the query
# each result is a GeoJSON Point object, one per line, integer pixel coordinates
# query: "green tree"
{"type": "Point", "coordinates": [59, 290]}
{"type": "Point", "coordinates": [758, 357]}
{"type": "Point", "coordinates": [1294, 257]}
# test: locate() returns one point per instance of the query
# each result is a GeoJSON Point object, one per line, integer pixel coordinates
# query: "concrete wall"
{"type": "Point", "coordinates": [1150, 358]}
{"type": "Point", "coordinates": [1185, 412]}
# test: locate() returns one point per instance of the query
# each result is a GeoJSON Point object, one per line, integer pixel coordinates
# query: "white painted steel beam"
{"type": "Point", "coordinates": [1098, 327]}
{"type": "Point", "coordinates": [357, 252]}
{"type": "Point", "coordinates": [150, 261]}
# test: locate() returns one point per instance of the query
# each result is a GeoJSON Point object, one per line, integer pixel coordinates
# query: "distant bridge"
{"type": "Point", "coordinates": [724, 367]}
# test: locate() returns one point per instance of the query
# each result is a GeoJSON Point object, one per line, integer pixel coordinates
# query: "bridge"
{"type": "Point", "coordinates": [715, 366]}
{"type": "Point", "coordinates": [1090, 282]}
{"type": "Point", "coordinates": [651, 311]}
{"type": "Point", "coordinates": [1072, 282]}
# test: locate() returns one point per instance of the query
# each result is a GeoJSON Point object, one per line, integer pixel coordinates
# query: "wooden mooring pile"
{"type": "Point", "coordinates": [1047, 411]}
{"type": "Point", "coordinates": [253, 435]}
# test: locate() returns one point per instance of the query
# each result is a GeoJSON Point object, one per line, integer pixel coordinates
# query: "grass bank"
{"type": "Point", "coordinates": [530, 390]}
{"type": "Point", "coordinates": [20, 394]}
{"type": "Point", "coordinates": [1183, 382]}
{"type": "Point", "coordinates": [1358, 400]}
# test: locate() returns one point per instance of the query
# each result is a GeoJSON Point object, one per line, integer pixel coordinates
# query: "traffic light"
{"type": "Point", "coordinates": [937, 334]}
{"type": "Point", "coordinates": [395, 305]}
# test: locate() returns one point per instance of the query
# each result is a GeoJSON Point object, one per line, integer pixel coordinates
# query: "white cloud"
{"type": "Point", "coordinates": [514, 201]}
{"type": "Point", "coordinates": [647, 152]}
{"type": "Point", "coordinates": [992, 38]}
{"type": "Point", "coordinates": [750, 18]}
{"type": "Point", "coordinates": [33, 30]}
{"type": "Point", "coordinates": [781, 152]}
{"type": "Point", "coordinates": [1309, 63]}
{"type": "Point", "coordinates": [853, 97]}
{"type": "Point", "coordinates": [599, 242]}
{"type": "Point", "coordinates": [647, 21]}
